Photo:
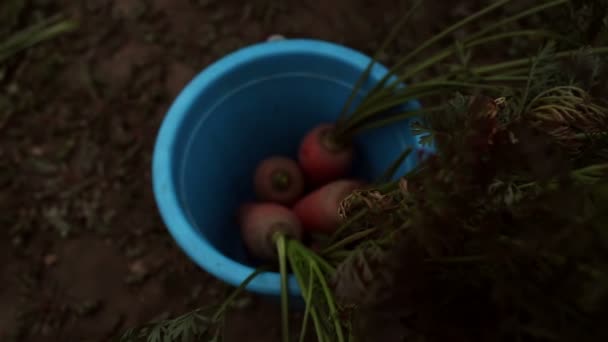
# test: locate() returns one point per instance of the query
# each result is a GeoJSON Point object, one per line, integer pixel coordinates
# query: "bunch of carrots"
{"type": "Point", "coordinates": [284, 205]}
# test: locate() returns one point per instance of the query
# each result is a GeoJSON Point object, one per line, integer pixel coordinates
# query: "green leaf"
{"type": "Point", "coordinates": [156, 334]}
{"type": "Point", "coordinates": [33, 35]}
{"type": "Point", "coordinates": [187, 334]}
{"type": "Point", "coordinates": [10, 12]}
{"type": "Point", "coordinates": [130, 335]}
{"type": "Point", "coordinates": [392, 169]}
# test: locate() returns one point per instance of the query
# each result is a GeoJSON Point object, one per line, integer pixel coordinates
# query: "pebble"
{"type": "Point", "coordinates": [50, 259]}
{"type": "Point", "coordinates": [275, 37]}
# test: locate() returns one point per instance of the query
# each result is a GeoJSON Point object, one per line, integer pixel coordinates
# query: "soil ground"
{"type": "Point", "coordinates": [83, 251]}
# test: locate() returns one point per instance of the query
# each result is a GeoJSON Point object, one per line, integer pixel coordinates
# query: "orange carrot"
{"type": "Point", "coordinates": [321, 158]}
{"type": "Point", "coordinates": [278, 179]}
{"type": "Point", "coordinates": [260, 221]}
{"type": "Point", "coordinates": [318, 211]}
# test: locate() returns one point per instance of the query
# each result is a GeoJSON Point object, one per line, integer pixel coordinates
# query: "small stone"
{"type": "Point", "coordinates": [162, 316]}
{"type": "Point", "coordinates": [135, 251]}
{"type": "Point", "coordinates": [88, 307]}
{"type": "Point", "coordinates": [208, 37]}
{"type": "Point", "coordinates": [46, 329]}
{"type": "Point", "coordinates": [12, 89]}
{"type": "Point", "coordinates": [206, 3]}
{"type": "Point", "coordinates": [151, 37]}
{"type": "Point", "coordinates": [129, 9]}
{"type": "Point", "coordinates": [275, 37]}
{"type": "Point", "coordinates": [135, 279]}
{"type": "Point", "coordinates": [138, 267]}
{"type": "Point", "coordinates": [242, 303]}
{"type": "Point", "coordinates": [37, 151]}
{"type": "Point", "coordinates": [43, 3]}
{"type": "Point", "coordinates": [218, 16]}
{"type": "Point", "coordinates": [179, 74]}
{"type": "Point", "coordinates": [50, 260]}
{"type": "Point", "coordinates": [196, 291]}
{"type": "Point", "coordinates": [17, 241]}
{"type": "Point", "coordinates": [118, 132]}
{"type": "Point", "coordinates": [247, 12]}
{"type": "Point", "coordinates": [97, 5]}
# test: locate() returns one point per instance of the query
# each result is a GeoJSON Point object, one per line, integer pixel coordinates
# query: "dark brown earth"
{"type": "Point", "coordinates": [83, 251]}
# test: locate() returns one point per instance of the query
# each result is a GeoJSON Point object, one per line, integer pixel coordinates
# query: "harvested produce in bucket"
{"type": "Point", "coordinates": [322, 157]}
{"type": "Point", "coordinates": [279, 179]}
{"type": "Point", "coordinates": [318, 211]}
{"type": "Point", "coordinates": [259, 224]}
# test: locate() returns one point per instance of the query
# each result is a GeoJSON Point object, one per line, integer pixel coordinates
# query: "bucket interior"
{"type": "Point", "coordinates": [251, 105]}
{"type": "Point", "coordinates": [264, 108]}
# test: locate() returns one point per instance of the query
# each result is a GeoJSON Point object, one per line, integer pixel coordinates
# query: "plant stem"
{"type": "Point", "coordinates": [591, 174]}
{"type": "Point", "coordinates": [561, 99]}
{"type": "Point", "coordinates": [458, 259]}
{"type": "Point", "coordinates": [279, 239]}
{"type": "Point", "coordinates": [394, 119]}
{"type": "Point", "coordinates": [310, 255]}
{"type": "Point", "coordinates": [469, 43]}
{"type": "Point", "coordinates": [307, 299]}
{"type": "Point", "coordinates": [374, 96]}
{"type": "Point", "coordinates": [555, 258]}
{"type": "Point", "coordinates": [413, 92]}
{"type": "Point", "coordinates": [306, 287]}
{"type": "Point", "coordinates": [392, 169]}
{"type": "Point", "coordinates": [349, 239]}
{"type": "Point", "coordinates": [516, 17]}
{"type": "Point", "coordinates": [339, 255]}
{"type": "Point", "coordinates": [417, 91]}
{"type": "Point", "coordinates": [347, 224]}
{"type": "Point", "coordinates": [330, 303]}
{"type": "Point", "coordinates": [395, 70]}
{"type": "Point", "coordinates": [220, 311]}
{"type": "Point", "coordinates": [589, 135]}
{"type": "Point", "coordinates": [524, 106]}
{"type": "Point", "coordinates": [504, 78]}
{"type": "Point", "coordinates": [33, 35]}
{"type": "Point", "coordinates": [392, 35]}
{"type": "Point", "coordinates": [492, 68]}
{"type": "Point", "coordinates": [438, 37]}
{"type": "Point", "coordinates": [317, 323]}
{"type": "Point", "coordinates": [543, 94]}
{"type": "Point", "coordinates": [388, 187]}
{"type": "Point", "coordinates": [514, 67]}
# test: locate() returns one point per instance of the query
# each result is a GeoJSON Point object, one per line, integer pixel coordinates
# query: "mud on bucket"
{"type": "Point", "coordinates": [253, 103]}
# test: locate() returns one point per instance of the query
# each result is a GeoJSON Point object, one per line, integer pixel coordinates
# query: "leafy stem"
{"type": "Point", "coordinates": [416, 91]}
{"type": "Point", "coordinates": [219, 313]}
{"type": "Point", "coordinates": [308, 303]}
{"type": "Point", "coordinates": [281, 246]}
{"type": "Point", "coordinates": [35, 34]}
{"type": "Point", "coordinates": [492, 68]}
{"type": "Point", "coordinates": [403, 61]}
{"type": "Point", "coordinates": [330, 303]}
{"type": "Point", "coordinates": [470, 43]}
{"type": "Point", "coordinates": [516, 17]}
{"type": "Point", "coordinates": [347, 224]}
{"type": "Point", "coordinates": [348, 240]}
{"type": "Point", "coordinates": [391, 37]}
{"type": "Point", "coordinates": [306, 286]}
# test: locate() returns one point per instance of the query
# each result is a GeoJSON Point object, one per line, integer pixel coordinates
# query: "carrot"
{"type": "Point", "coordinates": [259, 224]}
{"type": "Point", "coordinates": [278, 179]}
{"type": "Point", "coordinates": [322, 158]}
{"type": "Point", "coordinates": [318, 211]}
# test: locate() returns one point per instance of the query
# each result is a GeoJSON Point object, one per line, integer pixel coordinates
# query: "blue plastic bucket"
{"type": "Point", "coordinates": [253, 103]}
